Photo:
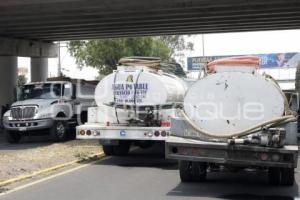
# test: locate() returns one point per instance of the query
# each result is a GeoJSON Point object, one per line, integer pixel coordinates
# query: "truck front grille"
{"type": "Point", "coordinates": [23, 112]}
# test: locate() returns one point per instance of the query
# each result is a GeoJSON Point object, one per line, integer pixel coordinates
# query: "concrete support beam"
{"type": "Point", "coordinates": [39, 69]}
{"type": "Point", "coordinates": [8, 79]}
{"type": "Point", "coordinates": [27, 48]}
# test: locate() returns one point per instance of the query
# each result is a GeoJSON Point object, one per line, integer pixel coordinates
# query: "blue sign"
{"type": "Point", "coordinates": [122, 133]}
{"type": "Point", "coordinates": [275, 60]}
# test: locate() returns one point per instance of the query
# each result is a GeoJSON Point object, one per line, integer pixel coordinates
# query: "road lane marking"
{"type": "Point", "coordinates": [49, 178]}
{"type": "Point", "coordinates": [44, 171]}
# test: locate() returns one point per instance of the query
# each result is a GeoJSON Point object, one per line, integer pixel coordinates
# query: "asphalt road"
{"type": "Point", "coordinates": [146, 175]}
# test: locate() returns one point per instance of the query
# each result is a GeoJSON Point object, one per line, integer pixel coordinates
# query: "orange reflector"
{"type": "Point", "coordinates": [82, 132]}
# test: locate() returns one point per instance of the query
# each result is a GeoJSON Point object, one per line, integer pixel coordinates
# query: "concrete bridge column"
{"type": "Point", "coordinates": [8, 79]}
{"type": "Point", "coordinates": [39, 69]}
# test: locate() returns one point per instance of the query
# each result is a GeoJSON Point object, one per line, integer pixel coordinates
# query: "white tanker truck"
{"type": "Point", "coordinates": [135, 105]}
{"type": "Point", "coordinates": [234, 118]}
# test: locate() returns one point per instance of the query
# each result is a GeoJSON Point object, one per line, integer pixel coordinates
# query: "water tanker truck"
{"type": "Point", "coordinates": [135, 105]}
{"type": "Point", "coordinates": [234, 118]}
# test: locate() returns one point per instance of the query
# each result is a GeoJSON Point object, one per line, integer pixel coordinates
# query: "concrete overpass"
{"type": "Point", "coordinates": [28, 27]}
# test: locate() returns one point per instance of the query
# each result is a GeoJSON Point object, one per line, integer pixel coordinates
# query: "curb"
{"type": "Point", "coordinates": [44, 171]}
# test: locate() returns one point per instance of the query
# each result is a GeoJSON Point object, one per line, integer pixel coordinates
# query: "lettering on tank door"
{"type": "Point", "coordinates": [124, 92]}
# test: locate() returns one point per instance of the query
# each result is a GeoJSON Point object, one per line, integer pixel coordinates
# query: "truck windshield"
{"type": "Point", "coordinates": [41, 91]}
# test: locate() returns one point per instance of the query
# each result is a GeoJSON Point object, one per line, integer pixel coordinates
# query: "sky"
{"type": "Point", "coordinates": [214, 44]}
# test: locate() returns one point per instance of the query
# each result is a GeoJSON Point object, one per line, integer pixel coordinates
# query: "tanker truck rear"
{"type": "Point", "coordinates": [234, 119]}
{"type": "Point", "coordinates": [134, 106]}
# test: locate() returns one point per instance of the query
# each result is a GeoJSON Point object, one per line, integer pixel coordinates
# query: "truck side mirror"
{"type": "Point", "coordinates": [294, 102]}
{"type": "Point", "coordinates": [74, 91]}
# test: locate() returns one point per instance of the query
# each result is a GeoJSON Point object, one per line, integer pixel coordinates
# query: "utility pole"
{"type": "Point", "coordinates": [59, 61]}
{"type": "Point", "coordinates": [203, 44]}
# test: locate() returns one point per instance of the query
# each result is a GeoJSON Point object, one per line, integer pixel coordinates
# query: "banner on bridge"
{"type": "Point", "coordinates": [274, 60]}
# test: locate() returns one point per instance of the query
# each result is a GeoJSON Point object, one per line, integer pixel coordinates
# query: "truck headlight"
{"type": "Point", "coordinates": [6, 118]}
{"type": "Point", "coordinates": [46, 115]}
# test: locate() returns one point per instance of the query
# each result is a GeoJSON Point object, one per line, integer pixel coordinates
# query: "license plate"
{"type": "Point", "coordinates": [22, 129]}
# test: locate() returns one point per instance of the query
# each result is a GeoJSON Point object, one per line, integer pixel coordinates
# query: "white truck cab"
{"type": "Point", "coordinates": [55, 106]}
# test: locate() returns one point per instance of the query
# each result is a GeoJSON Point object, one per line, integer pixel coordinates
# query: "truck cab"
{"type": "Point", "coordinates": [53, 107]}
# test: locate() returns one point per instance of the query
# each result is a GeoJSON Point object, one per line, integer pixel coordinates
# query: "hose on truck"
{"type": "Point", "coordinates": [281, 120]}
{"type": "Point", "coordinates": [286, 118]}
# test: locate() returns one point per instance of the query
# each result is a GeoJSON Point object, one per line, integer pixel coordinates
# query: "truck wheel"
{"type": "Point", "coordinates": [122, 148]}
{"type": "Point", "coordinates": [185, 171]}
{"type": "Point", "coordinates": [12, 137]}
{"type": "Point", "coordinates": [199, 171]}
{"type": "Point", "coordinates": [287, 176]}
{"type": "Point", "coordinates": [59, 131]}
{"type": "Point", "coordinates": [274, 175]}
{"type": "Point", "coordinates": [108, 150]}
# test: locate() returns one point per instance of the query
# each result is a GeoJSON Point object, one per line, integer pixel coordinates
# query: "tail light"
{"type": "Point", "coordinates": [264, 156]}
{"type": "Point", "coordinates": [88, 132]}
{"type": "Point", "coordinates": [163, 133]}
{"type": "Point", "coordinates": [150, 134]}
{"type": "Point", "coordinates": [95, 132]}
{"type": "Point", "coordinates": [156, 133]}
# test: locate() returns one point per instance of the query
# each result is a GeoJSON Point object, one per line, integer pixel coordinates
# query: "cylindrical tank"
{"type": "Point", "coordinates": [233, 98]}
{"type": "Point", "coordinates": [139, 86]}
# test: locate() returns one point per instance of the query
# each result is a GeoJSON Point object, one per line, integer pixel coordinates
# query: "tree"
{"type": "Point", "coordinates": [104, 54]}
{"type": "Point", "coordinates": [297, 81]}
{"type": "Point", "coordinates": [177, 44]}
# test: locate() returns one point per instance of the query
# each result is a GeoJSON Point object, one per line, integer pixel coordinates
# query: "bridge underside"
{"type": "Point", "coordinates": [52, 20]}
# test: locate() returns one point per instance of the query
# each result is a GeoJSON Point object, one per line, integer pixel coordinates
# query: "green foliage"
{"type": "Point", "coordinates": [297, 81]}
{"type": "Point", "coordinates": [173, 68]}
{"type": "Point", "coordinates": [104, 54]}
{"type": "Point", "coordinates": [176, 44]}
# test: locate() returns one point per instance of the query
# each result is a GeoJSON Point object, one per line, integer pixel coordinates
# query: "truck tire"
{"type": "Point", "coordinates": [122, 148]}
{"type": "Point", "coordinates": [59, 131]}
{"type": "Point", "coordinates": [274, 176]}
{"type": "Point", "coordinates": [287, 176]}
{"type": "Point", "coordinates": [199, 171]}
{"type": "Point", "coordinates": [12, 137]}
{"type": "Point", "coordinates": [108, 150]}
{"type": "Point", "coordinates": [185, 171]}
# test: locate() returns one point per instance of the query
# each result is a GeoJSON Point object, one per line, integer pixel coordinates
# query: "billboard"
{"type": "Point", "coordinates": [274, 60]}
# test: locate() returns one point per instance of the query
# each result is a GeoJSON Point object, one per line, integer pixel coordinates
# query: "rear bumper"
{"type": "Point", "coordinates": [222, 153]}
{"type": "Point", "coordinates": [28, 125]}
{"type": "Point", "coordinates": [101, 132]}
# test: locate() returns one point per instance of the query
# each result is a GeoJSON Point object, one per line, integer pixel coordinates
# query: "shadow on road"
{"type": "Point", "coordinates": [235, 186]}
{"type": "Point", "coordinates": [27, 142]}
{"type": "Point", "coordinates": [153, 157]}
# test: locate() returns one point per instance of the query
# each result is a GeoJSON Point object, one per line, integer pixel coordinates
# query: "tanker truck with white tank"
{"type": "Point", "coordinates": [234, 118]}
{"type": "Point", "coordinates": [135, 104]}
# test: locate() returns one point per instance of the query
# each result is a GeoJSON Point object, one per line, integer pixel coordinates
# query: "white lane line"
{"type": "Point", "coordinates": [48, 178]}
